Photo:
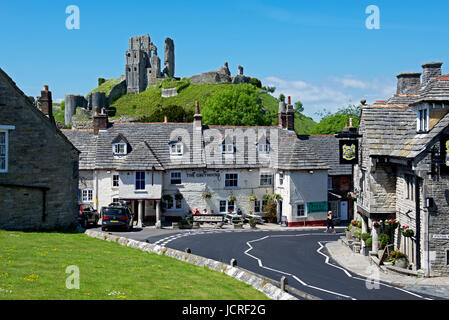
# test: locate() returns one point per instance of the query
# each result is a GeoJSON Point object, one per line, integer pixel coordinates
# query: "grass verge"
{"type": "Point", "coordinates": [33, 266]}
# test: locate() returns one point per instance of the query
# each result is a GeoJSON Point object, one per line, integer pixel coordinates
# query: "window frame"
{"type": "Point", "coordinates": [422, 118]}
{"type": "Point", "coordinates": [257, 204]}
{"type": "Point", "coordinates": [330, 183]}
{"type": "Point", "coordinates": [116, 149]}
{"type": "Point", "coordinates": [115, 183]}
{"type": "Point", "coordinates": [225, 148]}
{"type": "Point", "coordinates": [176, 153]}
{"type": "Point", "coordinates": [266, 174]}
{"type": "Point", "coordinates": [297, 209]}
{"type": "Point", "coordinates": [263, 148]}
{"type": "Point", "coordinates": [176, 179]}
{"type": "Point", "coordinates": [226, 180]}
{"type": "Point", "coordinates": [136, 180]}
{"type": "Point", "coordinates": [89, 194]}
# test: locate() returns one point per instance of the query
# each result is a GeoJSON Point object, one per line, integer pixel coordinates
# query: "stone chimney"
{"type": "Point", "coordinates": [197, 117]}
{"type": "Point", "coordinates": [100, 120]}
{"type": "Point", "coordinates": [290, 125]}
{"type": "Point", "coordinates": [431, 70]}
{"type": "Point", "coordinates": [47, 103]}
{"type": "Point", "coordinates": [282, 113]}
{"type": "Point", "coordinates": [406, 80]}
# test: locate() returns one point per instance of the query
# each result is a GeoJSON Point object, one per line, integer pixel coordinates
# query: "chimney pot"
{"type": "Point", "coordinates": [165, 119]}
{"type": "Point", "coordinates": [289, 100]}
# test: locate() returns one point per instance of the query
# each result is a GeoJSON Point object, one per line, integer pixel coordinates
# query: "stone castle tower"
{"type": "Point", "coordinates": [143, 66]}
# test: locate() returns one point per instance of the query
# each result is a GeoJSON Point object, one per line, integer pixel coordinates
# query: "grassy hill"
{"type": "Point", "coordinates": [150, 106]}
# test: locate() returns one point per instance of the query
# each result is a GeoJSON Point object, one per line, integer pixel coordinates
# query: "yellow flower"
{"type": "Point", "coordinates": [32, 277]}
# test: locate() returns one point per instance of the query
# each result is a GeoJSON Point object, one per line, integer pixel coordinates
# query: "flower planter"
{"type": "Point", "coordinates": [401, 263]}
{"type": "Point", "coordinates": [238, 226]}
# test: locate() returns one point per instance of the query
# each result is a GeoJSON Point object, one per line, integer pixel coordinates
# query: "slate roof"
{"type": "Point", "coordinates": [390, 126]}
{"type": "Point", "coordinates": [327, 149]}
{"type": "Point", "coordinates": [148, 146]}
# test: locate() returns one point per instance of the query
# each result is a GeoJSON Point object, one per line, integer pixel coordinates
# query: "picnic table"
{"type": "Point", "coordinates": [256, 217]}
{"type": "Point", "coordinates": [233, 218]}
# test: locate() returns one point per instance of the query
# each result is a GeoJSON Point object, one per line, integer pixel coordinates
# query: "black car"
{"type": "Point", "coordinates": [87, 215]}
{"type": "Point", "coordinates": [117, 216]}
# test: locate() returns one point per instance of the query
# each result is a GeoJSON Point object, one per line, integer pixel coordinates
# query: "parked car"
{"type": "Point", "coordinates": [88, 215]}
{"type": "Point", "coordinates": [117, 216]}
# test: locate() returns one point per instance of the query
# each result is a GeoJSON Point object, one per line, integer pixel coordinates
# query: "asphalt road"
{"type": "Point", "coordinates": [299, 255]}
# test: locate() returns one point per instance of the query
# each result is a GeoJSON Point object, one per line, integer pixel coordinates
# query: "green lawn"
{"type": "Point", "coordinates": [33, 266]}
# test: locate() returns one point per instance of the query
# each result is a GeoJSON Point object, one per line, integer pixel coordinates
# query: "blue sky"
{"type": "Point", "coordinates": [319, 52]}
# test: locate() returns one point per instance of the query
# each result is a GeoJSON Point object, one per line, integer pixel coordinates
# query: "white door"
{"type": "Point", "coordinates": [343, 210]}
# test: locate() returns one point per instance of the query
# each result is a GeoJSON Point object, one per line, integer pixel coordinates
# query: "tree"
{"type": "Point", "coordinates": [271, 89]}
{"type": "Point", "coordinates": [299, 107]}
{"type": "Point", "coordinates": [238, 105]}
{"type": "Point", "coordinates": [256, 82]}
{"type": "Point", "coordinates": [333, 123]}
{"type": "Point", "coordinates": [282, 97]}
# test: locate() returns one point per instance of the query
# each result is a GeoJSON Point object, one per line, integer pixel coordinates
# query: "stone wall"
{"type": "Point", "coordinates": [40, 158]}
{"type": "Point", "coordinates": [437, 188]}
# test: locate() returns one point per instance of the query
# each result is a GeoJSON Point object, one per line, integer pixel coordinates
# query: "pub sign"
{"type": "Point", "coordinates": [349, 151]}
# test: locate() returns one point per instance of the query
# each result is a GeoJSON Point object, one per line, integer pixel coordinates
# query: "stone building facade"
{"type": "Point", "coordinates": [38, 164]}
{"type": "Point", "coordinates": [165, 170]}
{"type": "Point", "coordinates": [402, 169]}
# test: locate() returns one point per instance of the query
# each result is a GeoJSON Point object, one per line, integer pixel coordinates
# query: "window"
{"type": "Point", "coordinates": [119, 148]}
{"type": "Point", "coordinates": [266, 179]}
{"type": "Point", "coordinates": [223, 206]}
{"type": "Point", "coordinates": [231, 180]}
{"type": "Point", "coordinates": [115, 181]}
{"type": "Point", "coordinates": [264, 148]}
{"type": "Point", "coordinates": [140, 180]}
{"type": "Point", "coordinates": [226, 205]}
{"type": "Point", "coordinates": [176, 149]}
{"type": "Point", "coordinates": [178, 203]}
{"type": "Point", "coordinates": [115, 200]}
{"type": "Point", "coordinates": [329, 183]}
{"type": "Point", "coordinates": [87, 195]}
{"type": "Point", "coordinates": [3, 151]}
{"type": "Point", "coordinates": [423, 119]}
{"type": "Point", "coordinates": [301, 210]}
{"type": "Point", "coordinates": [281, 178]}
{"type": "Point", "coordinates": [227, 148]}
{"type": "Point", "coordinates": [169, 202]}
{"type": "Point", "coordinates": [410, 187]}
{"type": "Point", "coordinates": [175, 178]}
{"type": "Point", "coordinates": [257, 207]}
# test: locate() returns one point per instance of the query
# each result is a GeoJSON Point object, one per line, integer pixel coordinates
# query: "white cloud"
{"type": "Point", "coordinates": [332, 93]}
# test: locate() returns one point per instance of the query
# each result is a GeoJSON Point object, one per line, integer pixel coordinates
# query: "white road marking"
{"type": "Point", "coordinates": [259, 261]}
{"type": "Point", "coordinates": [364, 279]}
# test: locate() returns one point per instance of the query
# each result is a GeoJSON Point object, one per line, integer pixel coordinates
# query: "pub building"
{"type": "Point", "coordinates": [166, 170]}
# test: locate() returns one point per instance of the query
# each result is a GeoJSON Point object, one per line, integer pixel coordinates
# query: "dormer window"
{"type": "Point", "coordinates": [176, 149]}
{"type": "Point", "coordinates": [227, 148]}
{"type": "Point", "coordinates": [264, 148]}
{"type": "Point", "coordinates": [422, 119]}
{"type": "Point", "coordinates": [119, 149]}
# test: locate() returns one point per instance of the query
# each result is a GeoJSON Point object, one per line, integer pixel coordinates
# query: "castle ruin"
{"type": "Point", "coordinates": [143, 66]}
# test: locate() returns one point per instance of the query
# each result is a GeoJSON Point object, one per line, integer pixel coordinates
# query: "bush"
{"type": "Point", "coordinates": [358, 233]}
{"type": "Point", "coordinates": [369, 242]}
{"type": "Point", "coordinates": [270, 210]}
{"type": "Point", "coordinates": [365, 236]}
{"type": "Point", "coordinates": [101, 81]}
{"type": "Point", "coordinates": [384, 240]}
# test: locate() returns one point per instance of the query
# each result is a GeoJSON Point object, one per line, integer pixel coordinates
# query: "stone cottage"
{"type": "Point", "coordinates": [165, 170]}
{"type": "Point", "coordinates": [402, 171]}
{"type": "Point", "coordinates": [38, 164]}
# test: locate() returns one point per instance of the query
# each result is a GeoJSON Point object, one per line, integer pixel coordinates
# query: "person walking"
{"type": "Point", "coordinates": [330, 223]}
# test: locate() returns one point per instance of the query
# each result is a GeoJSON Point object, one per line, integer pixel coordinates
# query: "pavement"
{"type": "Point", "coordinates": [361, 265]}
